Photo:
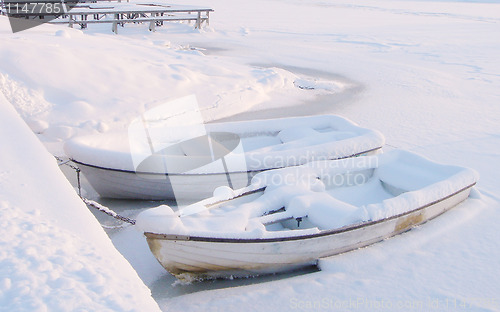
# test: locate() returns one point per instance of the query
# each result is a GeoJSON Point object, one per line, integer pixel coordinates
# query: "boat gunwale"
{"type": "Point", "coordinates": [212, 173]}
{"type": "Point", "coordinates": [348, 228]}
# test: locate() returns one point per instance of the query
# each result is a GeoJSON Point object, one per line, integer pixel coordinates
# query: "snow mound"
{"type": "Point", "coordinates": [55, 256]}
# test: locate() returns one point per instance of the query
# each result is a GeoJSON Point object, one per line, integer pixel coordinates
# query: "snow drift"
{"type": "Point", "coordinates": [54, 255]}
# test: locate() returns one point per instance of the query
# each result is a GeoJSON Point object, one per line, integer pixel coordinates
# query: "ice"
{"type": "Point", "coordinates": [424, 73]}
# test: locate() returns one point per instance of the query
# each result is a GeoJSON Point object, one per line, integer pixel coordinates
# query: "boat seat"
{"type": "Point", "coordinates": [293, 134]}
{"type": "Point", "coordinates": [323, 210]}
{"type": "Point", "coordinates": [403, 176]}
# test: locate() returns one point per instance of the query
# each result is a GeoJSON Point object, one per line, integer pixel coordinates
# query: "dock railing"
{"type": "Point", "coordinates": [114, 13]}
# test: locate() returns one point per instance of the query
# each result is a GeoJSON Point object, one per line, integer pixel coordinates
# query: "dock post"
{"type": "Point", "coordinates": [114, 28]}
{"type": "Point", "coordinates": [152, 26]}
{"type": "Point", "coordinates": [198, 20]}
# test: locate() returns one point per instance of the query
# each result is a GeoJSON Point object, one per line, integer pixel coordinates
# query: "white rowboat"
{"type": "Point", "coordinates": [394, 192]}
{"type": "Point", "coordinates": [121, 165]}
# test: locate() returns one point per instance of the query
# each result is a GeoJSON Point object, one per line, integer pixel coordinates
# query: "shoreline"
{"type": "Point", "coordinates": [322, 104]}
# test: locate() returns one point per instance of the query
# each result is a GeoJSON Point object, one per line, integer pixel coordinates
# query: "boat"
{"type": "Point", "coordinates": [291, 217]}
{"type": "Point", "coordinates": [188, 163]}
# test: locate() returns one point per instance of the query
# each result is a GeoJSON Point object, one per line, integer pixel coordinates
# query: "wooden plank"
{"type": "Point", "coordinates": [158, 13]}
{"type": "Point", "coordinates": [126, 8]}
{"type": "Point", "coordinates": [131, 20]}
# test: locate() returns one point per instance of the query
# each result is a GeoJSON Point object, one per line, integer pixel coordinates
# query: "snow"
{"type": "Point", "coordinates": [424, 73]}
{"type": "Point", "coordinates": [262, 144]}
{"type": "Point", "coordinates": [54, 255]}
{"type": "Point", "coordinates": [303, 194]}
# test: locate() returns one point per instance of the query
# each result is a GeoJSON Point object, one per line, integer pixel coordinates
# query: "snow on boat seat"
{"type": "Point", "coordinates": [296, 133]}
{"type": "Point", "coordinates": [410, 172]}
{"type": "Point", "coordinates": [322, 210]}
{"type": "Point", "coordinates": [300, 137]}
{"type": "Point", "coordinates": [256, 142]}
{"type": "Point", "coordinates": [415, 181]}
{"type": "Point", "coordinates": [217, 143]}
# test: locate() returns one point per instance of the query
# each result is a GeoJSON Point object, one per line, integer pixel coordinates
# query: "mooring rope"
{"type": "Point", "coordinates": [61, 162]}
{"type": "Point", "coordinates": [89, 202]}
{"type": "Point", "coordinates": [106, 210]}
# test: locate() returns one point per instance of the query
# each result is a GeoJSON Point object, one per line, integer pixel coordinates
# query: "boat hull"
{"type": "Point", "coordinates": [133, 165]}
{"type": "Point", "coordinates": [111, 183]}
{"type": "Point", "coordinates": [189, 188]}
{"type": "Point", "coordinates": [219, 257]}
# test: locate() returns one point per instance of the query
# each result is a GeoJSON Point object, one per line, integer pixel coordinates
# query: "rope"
{"type": "Point", "coordinates": [61, 162]}
{"type": "Point", "coordinates": [107, 211]}
{"type": "Point", "coordinates": [88, 202]}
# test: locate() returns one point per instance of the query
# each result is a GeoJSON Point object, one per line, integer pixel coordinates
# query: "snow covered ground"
{"type": "Point", "coordinates": [54, 256]}
{"type": "Point", "coordinates": [424, 73]}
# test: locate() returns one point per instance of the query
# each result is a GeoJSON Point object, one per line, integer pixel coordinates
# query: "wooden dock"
{"type": "Point", "coordinates": [121, 13]}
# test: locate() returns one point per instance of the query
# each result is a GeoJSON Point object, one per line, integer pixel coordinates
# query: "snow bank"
{"type": "Point", "coordinates": [404, 181]}
{"type": "Point", "coordinates": [109, 80]}
{"type": "Point", "coordinates": [54, 254]}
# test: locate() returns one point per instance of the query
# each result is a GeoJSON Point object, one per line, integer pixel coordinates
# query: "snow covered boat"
{"type": "Point", "coordinates": [294, 216]}
{"type": "Point", "coordinates": [155, 163]}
